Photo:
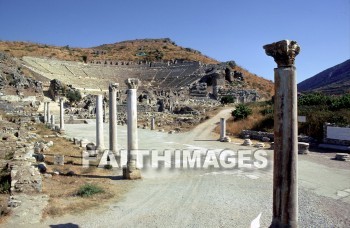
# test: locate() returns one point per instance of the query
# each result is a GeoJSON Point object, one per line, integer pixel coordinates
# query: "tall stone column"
{"type": "Point", "coordinates": [48, 112]}
{"type": "Point", "coordinates": [62, 116]}
{"type": "Point", "coordinates": [45, 111]}
{"type": "Point", "coordinates": [131, 171]}
{"type": "Point", "coordinates": [222, 128]}
{"type": "Point", "coordinates": [113, 117]}
{"type": "Point", "coordinates": [153, 123]}
{"type": "Point", "coordinates": [99, 124]}
{"type": "Point", "coordinates": [285, 185]}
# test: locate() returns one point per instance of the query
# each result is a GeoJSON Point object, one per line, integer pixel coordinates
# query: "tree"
{"type": "Point", "coordinates": [73, 96]}
{"type": "Point", "coordinates": [227, 99]}
{"type": "Point", "coordinates": [241, 112]}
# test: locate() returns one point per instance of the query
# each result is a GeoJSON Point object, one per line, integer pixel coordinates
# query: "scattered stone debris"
{"type": "Point", "coordinates": [342, 157]}
{"type": "Point", "coordinates": [247, 142]}
{"type": "Point", "coordinates": [303, 148]}
{"type": "Point", "coordinates": [225, 139]}
{"type": "Point", "coordinates": [58, 159]}
{"type": "Point", "coordinates": [259, 145]}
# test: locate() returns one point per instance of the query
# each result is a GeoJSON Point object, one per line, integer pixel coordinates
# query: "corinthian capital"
{"type": "Point", "coordinates": [113, 87]}
{"type": "Point", "coordinates": [283, 52]}
{"type": "Point", "coordinates": [132, 83]}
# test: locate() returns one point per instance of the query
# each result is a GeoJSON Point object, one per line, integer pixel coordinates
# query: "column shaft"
{"type": "Point", "coordinates": [132, 128]}
{"type": "Point", "coordinates": [153, 123]}
{"type": "Point", "coordinates": [131, 171]}
{"type": "Point", "coordinates": [52, 121]}
{"type": "Point", "coordinates": [113, 120]}
{"type": "Point", "coordinates": [61, 115]}
{"type": "Point", "coordinates": [45, 112]}
{"type": "Point", "coordinates": [285, 185]}
{"type": "Point", "coordinates": [48, 113]}
{"type": "Point", "coordinates": [99, 123]}
{"type": "Point", "coordinates": [222, 128]}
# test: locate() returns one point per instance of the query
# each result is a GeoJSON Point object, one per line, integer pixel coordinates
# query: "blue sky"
{"type": "Point", "coordinates": [222, 29]}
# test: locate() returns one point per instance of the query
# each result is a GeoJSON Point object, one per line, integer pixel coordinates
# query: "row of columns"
{"type": "Point", "coordinates": [50, 119]}
{"type": "Point", "coordinates": [131, 171]}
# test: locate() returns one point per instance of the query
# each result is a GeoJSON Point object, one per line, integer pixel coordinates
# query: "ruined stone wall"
{"type": "Point", "coordinates": [258, 135]}
{"type": "Point", "coordinates": [199, 90]}
{"type": "Point", "coordinates": [240, 95]}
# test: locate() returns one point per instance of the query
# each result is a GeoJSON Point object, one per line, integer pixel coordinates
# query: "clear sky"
{"type": "Point", "coordinates": [222, 29]}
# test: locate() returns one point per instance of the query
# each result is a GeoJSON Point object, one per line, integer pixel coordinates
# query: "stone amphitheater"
{"type": "Point", "coordinates": [84, 76]}
{"type": "Point", "coordinates": [193, 79]}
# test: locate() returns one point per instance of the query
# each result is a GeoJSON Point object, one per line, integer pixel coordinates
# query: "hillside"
{"type": "Point", "coordinates": [132, 50]}
{"type": "Point", "coordinates": [152, 50]}
{"type": "Point", "coordinates": [334, 80]}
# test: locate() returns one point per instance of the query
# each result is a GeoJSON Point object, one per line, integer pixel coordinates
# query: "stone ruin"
{"type": "Point", "coordinates": [199, 90]}
{"type": "Point", "coordinates": [178, 76]}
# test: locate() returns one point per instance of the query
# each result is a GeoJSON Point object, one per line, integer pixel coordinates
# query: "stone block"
{"type": "Point", "coordinates": [247, 142]}
{"type": "Point", "coordinates": [58, 159]}
{"type": "Point", "coordinates": [303, 148]}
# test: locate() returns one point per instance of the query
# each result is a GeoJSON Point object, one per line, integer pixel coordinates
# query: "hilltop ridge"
{"type": "Point", "coordinates": [130, 50]}
{"type": "Point", "coordinates": [334, 80]}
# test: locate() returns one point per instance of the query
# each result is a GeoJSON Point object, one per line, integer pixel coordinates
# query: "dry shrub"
{"type": "Point", "coordinates": [235, 127]}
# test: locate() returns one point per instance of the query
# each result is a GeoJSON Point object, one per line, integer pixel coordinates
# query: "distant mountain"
{"type": "Point", "coordinates": [334, 80]}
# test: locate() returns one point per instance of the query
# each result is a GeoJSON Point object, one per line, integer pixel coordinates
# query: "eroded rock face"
{"type": "Point", "coordinates": [56, 88]}
{"type": "Point", "coordinates": [11, 75]}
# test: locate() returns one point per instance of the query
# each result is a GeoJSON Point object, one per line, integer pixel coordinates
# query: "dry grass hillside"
{"type": "Point", "coordinates": [133, 50]}
{"type": "Point", "coordinates": [263, 86]}
{"type": "Point", "coordinates": [151, 49]}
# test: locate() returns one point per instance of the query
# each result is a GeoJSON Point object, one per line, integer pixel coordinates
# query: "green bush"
{"type": "Point", "coordinates": [227, 99]}
{"type": "Point", "coordinates": [73, 96]}
{"type": "Point", "coordinates": [319, 109]}
{"type": "Point", "coordinates": [5, 181]}
{"type": "Point", "coordinates": [108, 166]}
{"type": "Point", "coordinates": [88, 190]}
{"type": "Point", "coordinates": [241, 112]}
{"type": "Point", "coordinates": [5, 187]}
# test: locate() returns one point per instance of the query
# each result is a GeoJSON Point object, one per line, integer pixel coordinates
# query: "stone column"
{"type": "Point", "coordinates": [104, 112]}
{"type": "Point", "coordinates": [222, 129]}
{"type": "Point", "coordinates": [48, 112]}
{"type": "Point", "coordinates": [99, 124]}
{"type": "Point", "coordinates": [61, 116]}
{"type": "Point", "coordinates": [153, 123]}
{"type": "Point", "coordinates": [52, 121]}
{"type": "Point", "coordinates": [285, 186]}
{"type": "Point", "coordinates": [45, 111]}
{"type": "Point", "coordinates": [132, 172]}
{"type": "Point", "coordinates": [113, 117]}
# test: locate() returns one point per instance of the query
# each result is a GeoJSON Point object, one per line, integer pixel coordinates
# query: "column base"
{"type": "Point", "coordinates": [131, 174]}
{"type": "Point", "coordinates": [62, 132]}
